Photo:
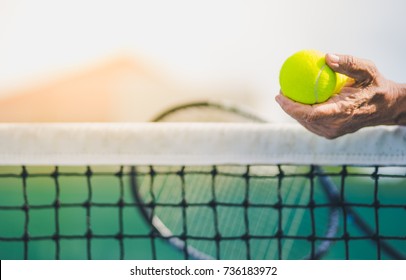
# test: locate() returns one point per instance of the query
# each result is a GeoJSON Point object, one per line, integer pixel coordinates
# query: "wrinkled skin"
{"type": "Point", "coordinates": [368, 100]}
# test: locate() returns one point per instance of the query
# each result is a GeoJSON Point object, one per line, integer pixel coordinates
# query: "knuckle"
{"type": "Point", "coordinates": [371, 69]}
{"type": "Point", "coordinates": [351, 62]}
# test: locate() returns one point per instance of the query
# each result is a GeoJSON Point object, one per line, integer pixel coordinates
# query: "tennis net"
{"type": "Point", "coordinates": [200, 191]}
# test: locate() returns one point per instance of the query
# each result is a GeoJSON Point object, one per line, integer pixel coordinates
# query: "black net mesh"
{"type": "Point", "coordinates": [199, 212]}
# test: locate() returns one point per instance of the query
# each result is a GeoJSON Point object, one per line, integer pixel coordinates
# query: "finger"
{"type": "Point", "coordinates": [362, 71]}
{"type": "Point", "coordinates": [297, 110]}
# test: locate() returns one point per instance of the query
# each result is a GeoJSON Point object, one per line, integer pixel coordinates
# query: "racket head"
{"type": "Point", "coordinates": [231, 212]}
{"type": "Point", "coordinates": [208, 111]}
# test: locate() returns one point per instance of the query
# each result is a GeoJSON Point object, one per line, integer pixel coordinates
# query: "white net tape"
{"type": "Point", "coordinates": [194, 144]}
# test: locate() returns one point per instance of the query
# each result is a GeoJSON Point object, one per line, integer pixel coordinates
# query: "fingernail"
{"type": "Point", "coordinates": [334, 60]}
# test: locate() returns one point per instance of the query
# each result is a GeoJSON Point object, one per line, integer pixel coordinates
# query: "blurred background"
{"type": "Point", "coordinates": [126, 60]}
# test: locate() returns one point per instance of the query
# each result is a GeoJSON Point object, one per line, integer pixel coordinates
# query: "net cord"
{"type": "Point", "coordinates": [195, 144]}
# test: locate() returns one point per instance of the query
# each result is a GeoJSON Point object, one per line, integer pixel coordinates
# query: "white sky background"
{"type": "Point", "coordinates": [218, 42]}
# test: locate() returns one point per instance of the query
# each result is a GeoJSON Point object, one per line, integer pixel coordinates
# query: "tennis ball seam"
{"type": "Point", "coordinates": [316, 84]}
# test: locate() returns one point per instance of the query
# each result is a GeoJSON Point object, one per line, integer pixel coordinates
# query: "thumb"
{"type": "Point", "coordinates": [362, 71]}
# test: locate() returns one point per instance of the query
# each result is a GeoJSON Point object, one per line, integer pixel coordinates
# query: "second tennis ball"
{"type": "Point", "coordinates": [306, 78]}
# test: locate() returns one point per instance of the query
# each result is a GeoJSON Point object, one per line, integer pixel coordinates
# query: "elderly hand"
{"type": "Point", "coordinates": [368, 101]}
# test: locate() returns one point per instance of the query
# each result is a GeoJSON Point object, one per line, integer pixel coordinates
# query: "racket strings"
{"type": "Point", "coordinates": [216, 208]}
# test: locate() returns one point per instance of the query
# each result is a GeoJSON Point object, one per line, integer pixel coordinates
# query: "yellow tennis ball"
{"type": "Point", "coordinates": [306, 78]}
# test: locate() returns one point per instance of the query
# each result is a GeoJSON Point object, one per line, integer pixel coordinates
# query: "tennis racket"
{"type": "Point", "coordinates": [227, 215]}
